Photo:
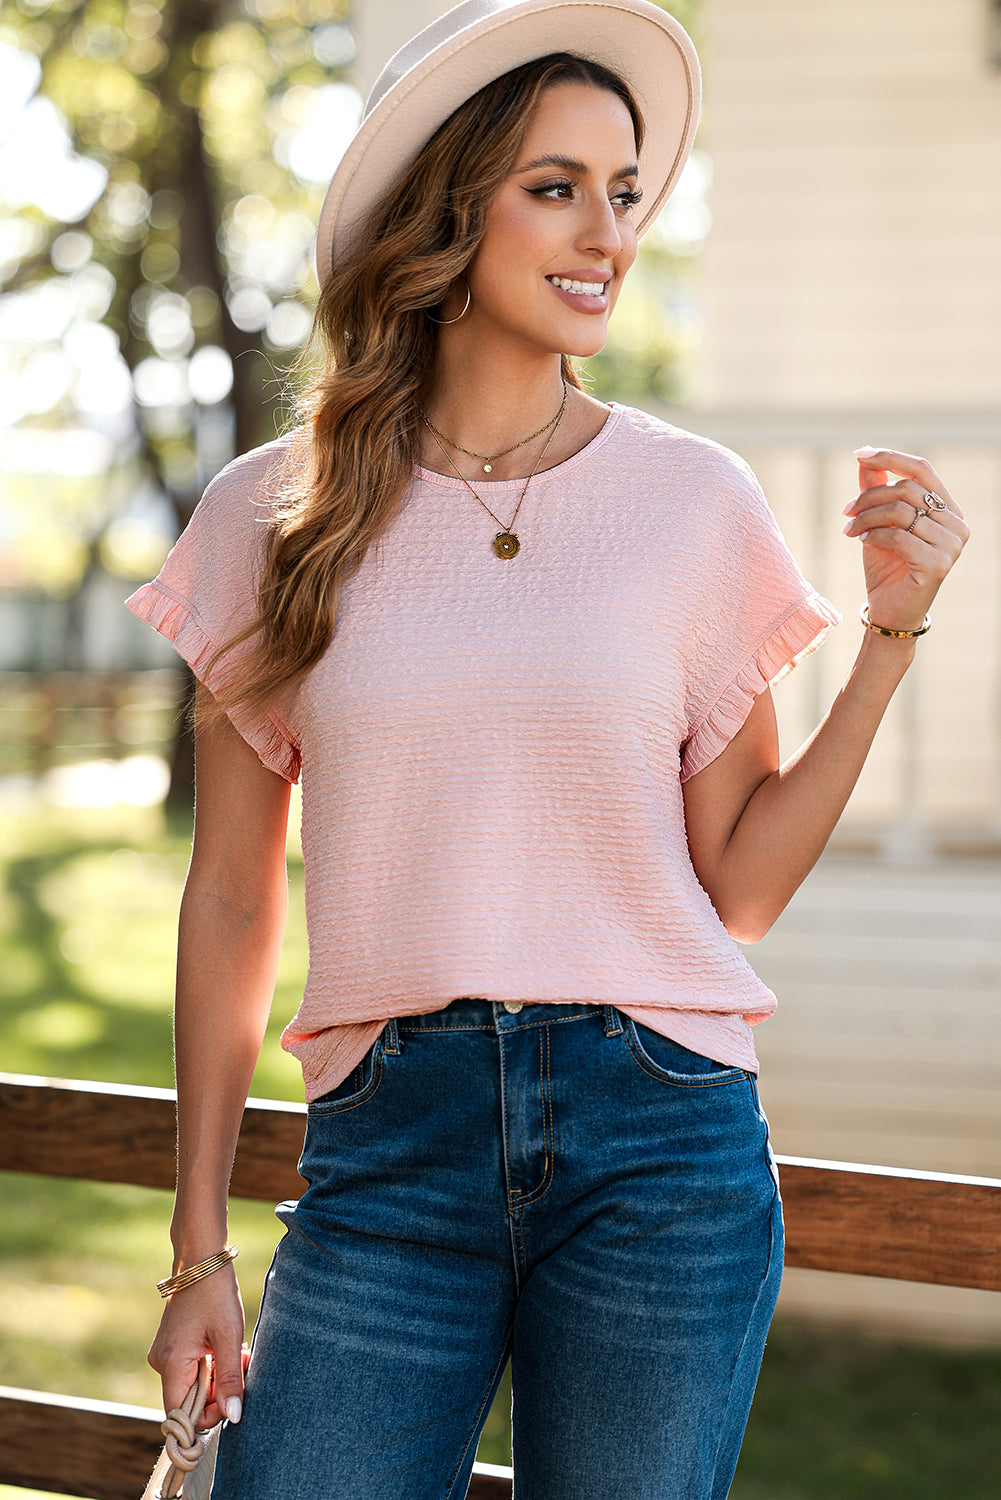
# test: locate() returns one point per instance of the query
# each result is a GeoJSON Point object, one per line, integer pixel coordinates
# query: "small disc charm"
{"type": "Point", "coordinates": [506, 544]}
{"type": "Point", "coordinates": [488, 468]}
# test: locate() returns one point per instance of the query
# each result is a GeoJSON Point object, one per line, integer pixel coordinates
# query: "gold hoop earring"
{"type": "Point", "coordinates": [469, 297]}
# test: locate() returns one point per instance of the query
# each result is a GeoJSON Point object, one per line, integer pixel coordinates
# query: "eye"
{"type": "Point", "coordinates": [557, 191]}
{"type": "Point", "coordinates": [627, 197]}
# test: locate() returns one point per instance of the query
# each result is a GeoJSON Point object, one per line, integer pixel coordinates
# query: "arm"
{"type": "Point", "coordinates": [756, 827]}
{"type": "Point", "coordinates": [230, 931]}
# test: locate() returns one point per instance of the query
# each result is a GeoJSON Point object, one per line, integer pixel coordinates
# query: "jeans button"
{"type": "Point", "coordinates": [514, 1006]}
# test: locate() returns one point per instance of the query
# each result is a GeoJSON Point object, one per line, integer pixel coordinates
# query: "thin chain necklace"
{"type": "Point", "coordinates": [489, 459]}
{"type": "Point", "coordinates": [506, 543]}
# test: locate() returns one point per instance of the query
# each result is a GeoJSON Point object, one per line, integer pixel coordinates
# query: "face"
{"type": "Point", "coordinates": [565, 214]}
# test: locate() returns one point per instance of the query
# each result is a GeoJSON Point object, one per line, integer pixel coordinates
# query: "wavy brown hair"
{"type": "Point", "coordinates": [360, 424]}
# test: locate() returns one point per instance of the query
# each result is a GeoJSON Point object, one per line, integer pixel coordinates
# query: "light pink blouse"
{"type": "Point", "coordinates": [492, 750]}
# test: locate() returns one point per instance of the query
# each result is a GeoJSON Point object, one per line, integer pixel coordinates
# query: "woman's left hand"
{"type": "Point", "coordinates": [909, 543]}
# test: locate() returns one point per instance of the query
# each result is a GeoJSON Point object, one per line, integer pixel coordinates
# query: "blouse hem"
{"type": "Point", "coordinates": [800, 632]}
{"type": "Point", "coordinates": [175, 619]}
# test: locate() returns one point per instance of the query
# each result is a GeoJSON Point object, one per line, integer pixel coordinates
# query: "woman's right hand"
{"type": "Point", "coordinates": [206, 1318]}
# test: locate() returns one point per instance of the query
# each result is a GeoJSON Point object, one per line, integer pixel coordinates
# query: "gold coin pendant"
{"type": "Point", "coordinates": [488, 468]}
{"type": "Point", "coordinates": [506, 544]}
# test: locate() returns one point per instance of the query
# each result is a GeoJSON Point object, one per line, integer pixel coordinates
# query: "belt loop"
{"type": "Point", "coordinates": [391, 1039]}
{"type": "Point", "coordinates": [613, 1021]}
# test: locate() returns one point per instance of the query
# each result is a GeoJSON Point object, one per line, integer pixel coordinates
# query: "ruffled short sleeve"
{"type": "Point", "coordinates": [756, 616]}
{"type": "Point", "coordinates": [206, 593]}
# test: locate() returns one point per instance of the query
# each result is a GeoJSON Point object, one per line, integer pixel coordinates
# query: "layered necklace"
{"type": "Point", "coordinates": [505, 543]}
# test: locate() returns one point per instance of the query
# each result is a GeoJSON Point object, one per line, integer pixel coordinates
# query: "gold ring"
{"type": "Point", "coordinates": [917, 516]}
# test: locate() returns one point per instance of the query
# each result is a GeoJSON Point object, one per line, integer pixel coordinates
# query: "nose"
{"type": "Point", "coordinates": [601, 232]}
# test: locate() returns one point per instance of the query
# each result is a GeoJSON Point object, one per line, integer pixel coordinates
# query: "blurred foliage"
{"type": "Point", "coordinates": [162, 179]}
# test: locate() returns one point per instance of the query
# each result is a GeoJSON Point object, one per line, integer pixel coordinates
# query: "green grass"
{"type": "Point", "coordinates": [840, 1417]}
{"type": "Point", "coordinates": [87, 912]}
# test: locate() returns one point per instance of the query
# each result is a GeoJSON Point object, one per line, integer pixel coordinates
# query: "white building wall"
{"type": "Point", "coordinates": [855, 255]}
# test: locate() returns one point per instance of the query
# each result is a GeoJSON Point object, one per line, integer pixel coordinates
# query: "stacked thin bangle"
{"type": "Point", "coordinates": [171, 1284]}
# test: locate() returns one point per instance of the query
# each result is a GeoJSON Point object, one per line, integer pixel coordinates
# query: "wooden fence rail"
{"type": "Point", "coordinates": [874, 1221]}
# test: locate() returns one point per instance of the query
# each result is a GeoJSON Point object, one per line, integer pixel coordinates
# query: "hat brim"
{"type": "Point", "coordinates": [646, 47]}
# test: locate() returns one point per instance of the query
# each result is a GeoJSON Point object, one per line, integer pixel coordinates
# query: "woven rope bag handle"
{"type": "Point", "coordinates": [183, 1448]}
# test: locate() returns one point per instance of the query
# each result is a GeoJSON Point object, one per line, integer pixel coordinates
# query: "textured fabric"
{"type": "Point", "coordinates": [560, 1185]}
{"type": "Point", "coordinates": [493, 751]}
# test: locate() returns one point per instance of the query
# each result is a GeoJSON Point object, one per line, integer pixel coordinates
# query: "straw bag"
{"type": "Point", "coordinates": [186, 1466]}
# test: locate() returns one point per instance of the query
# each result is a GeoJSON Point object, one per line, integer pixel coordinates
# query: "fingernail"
{"type": "Point", "coordinates": [234, 1408]}
{"type": "Point", "coordinates": [848, 528]}
{"type": "Point", "coordinates": [865, 452]}
{"type": "Point", "coordinates": [862, 535]}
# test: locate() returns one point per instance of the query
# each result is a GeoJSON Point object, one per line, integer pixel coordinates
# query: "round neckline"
{"type": "Point", "coordinates": [453, 482]}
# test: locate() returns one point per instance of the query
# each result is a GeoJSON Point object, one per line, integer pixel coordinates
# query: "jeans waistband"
{"type": "Point", "coordinates": [471, 1014]}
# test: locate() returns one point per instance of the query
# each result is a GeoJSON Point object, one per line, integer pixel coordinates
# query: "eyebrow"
{"type": "Point", "coordinates": [572, 164]}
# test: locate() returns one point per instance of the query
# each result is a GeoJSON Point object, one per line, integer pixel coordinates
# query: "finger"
{"type": "Point", "coordinates": [869, 514]}
{"type": "Point", "coordinates": [907, 490]}
{"type": "Point", "coordinates": [897, 513]}
{"type": "Point", "coordinates": [870, 474]}
{"type": "Point", "coordinates": [887, 506]}
{"type": "Point", "coordinates": [880, 460]}
{"type": "Point", "coordinates": [903, 489]}
{"type": "Point", "coordinates": [176, 1378]}
{"type": "Point", "coordinates": [871, 469]}
{"type": "Point", "coordinates": [226, 1393]}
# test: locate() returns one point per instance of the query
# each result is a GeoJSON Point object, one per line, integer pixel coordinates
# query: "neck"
{"type": "Point", "coordinates": [488, 407]}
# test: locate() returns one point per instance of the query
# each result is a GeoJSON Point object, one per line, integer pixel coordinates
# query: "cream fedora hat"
{"type": "Point", "coordinates": [478, 41]}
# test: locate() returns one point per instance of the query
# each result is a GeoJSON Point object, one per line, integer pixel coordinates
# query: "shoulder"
{"type": "Point", "coordinates": [697, 465]}
{"type": "Point", "coordinates": [257, 476]}
{"type": "Point", "coordinates": [240, 504]}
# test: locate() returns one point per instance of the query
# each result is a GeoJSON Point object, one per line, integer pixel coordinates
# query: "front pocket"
{"type": "Point", "coordinates": [672, 1063]}
{"type": "Point", "coordinates": [360, 1084]}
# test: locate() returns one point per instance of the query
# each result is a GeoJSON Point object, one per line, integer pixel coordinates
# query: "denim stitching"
{"type": "Point", "coordinates": [511, 1208]}
{"type": "Point", "coordinates": [580, 1015]}
{"type": "Point", "coordinates": [682, 1080]}
{"type": "Point", "coordinates": [340, 1107]}
{"type": "Point", "coordinates": [518, 1227]}
{"type": "Point", "coordinates": [487, 1397]}
{"type": "Point", "coordinates": [772, 1164]}
{"type": "Point", "coordinates": [773, 1202]}
{"type": "Point", "coordinates": [402, 1026]}
{"type": "Point", "coordinates": [545, 1085]}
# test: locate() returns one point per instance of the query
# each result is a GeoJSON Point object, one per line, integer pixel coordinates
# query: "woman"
{"type": "Point", "coordinates": [521, 645]}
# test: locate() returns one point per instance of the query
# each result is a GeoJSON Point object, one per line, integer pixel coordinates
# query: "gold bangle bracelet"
{"type": "Point", "coordinates": [910, 635]}
{"type": "Point", "coordinates": [171, 1284]}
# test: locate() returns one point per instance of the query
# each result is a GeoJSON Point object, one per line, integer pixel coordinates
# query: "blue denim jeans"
{"type": "Point", "coordinates": [554, 1184]}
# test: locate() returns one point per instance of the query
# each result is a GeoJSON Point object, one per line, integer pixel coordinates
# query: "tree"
{"type": "Point", "coordinates": [158, 268]}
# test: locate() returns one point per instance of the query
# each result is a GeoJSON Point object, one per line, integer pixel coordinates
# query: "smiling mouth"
{"type": "Point", "coordinates": [579, 288]}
